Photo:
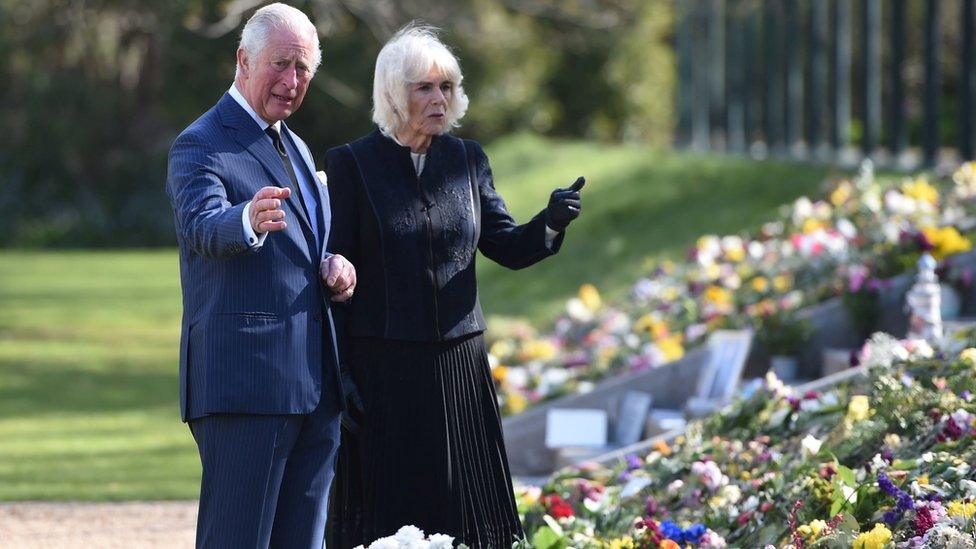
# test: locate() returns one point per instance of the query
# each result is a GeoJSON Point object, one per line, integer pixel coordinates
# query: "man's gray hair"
{"type": "Point", "coordinates": [258, 29]}
{"type": "Point", "coordinates": [406, 59]}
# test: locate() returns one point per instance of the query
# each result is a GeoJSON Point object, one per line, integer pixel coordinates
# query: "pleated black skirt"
{"type": "Point", "coordinates": [430, 451]}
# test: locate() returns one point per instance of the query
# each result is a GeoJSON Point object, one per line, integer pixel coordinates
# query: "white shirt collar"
{"type": "Point", "coordinates": [262, 123]}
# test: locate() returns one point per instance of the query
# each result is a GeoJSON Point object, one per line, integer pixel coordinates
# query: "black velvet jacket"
{"type": "Point", "coordinates": [413, 239]}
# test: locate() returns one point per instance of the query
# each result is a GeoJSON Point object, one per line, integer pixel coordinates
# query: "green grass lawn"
{"type": "Point", "coordinates": [88, 340]}
{"type": "Point", "coordinates": [637, 204]}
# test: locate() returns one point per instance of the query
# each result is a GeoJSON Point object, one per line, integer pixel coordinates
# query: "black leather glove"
{"type": "Point", "coordinates": [564, 206]}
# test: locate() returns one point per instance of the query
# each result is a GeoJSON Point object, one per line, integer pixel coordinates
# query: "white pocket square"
{"type": "Point", "coordinates": [323, 179]}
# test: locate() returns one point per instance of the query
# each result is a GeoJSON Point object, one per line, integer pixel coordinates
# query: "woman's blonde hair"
{"type": "Point", "coordinates": [406, 59]}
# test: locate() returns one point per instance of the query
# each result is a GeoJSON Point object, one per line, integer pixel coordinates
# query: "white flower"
{"type": "Point", "coordinates": [751, 503]}
{"type": "Point", "coordinates": [846, 228]}
{"type": "Point", "coordinates": [756, 250]}
{"type": "Point", "coordinates": [731, 493]}
{"type": "Point", "coordinates": [968, 486]}
{"type": "Point", "coordinates": [441, 541]}
{"type": "Point", "coordinates": [409, 534]}
{"type": "Point", "coordinates": [516, 376]}
{"type": "Point", "coordinates": [675, 486]}
{"type": "Point", "coordinates": [811, 444]}
{"type": "Point", "coordinates": [578, 311]}
{"type": "Point", "coordinates": [385, 543]}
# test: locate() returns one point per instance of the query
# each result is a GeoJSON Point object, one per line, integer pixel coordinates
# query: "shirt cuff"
{"type": "Point", "coordinates": [254, 240]}
{"type": "Point", "coordinates": [550, 236]}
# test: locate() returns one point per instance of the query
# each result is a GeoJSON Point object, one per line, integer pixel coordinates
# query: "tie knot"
{"type": "Point", "coordinates": [276, 139]}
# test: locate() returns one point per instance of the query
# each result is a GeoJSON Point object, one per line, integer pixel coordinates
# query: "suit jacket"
{"type": "Point", "coordinates": [257, 334]}
{"type": "Point", "coordinates": [413, 239]}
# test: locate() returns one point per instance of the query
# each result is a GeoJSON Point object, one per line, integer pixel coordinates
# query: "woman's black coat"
{"type": "Point", "coordinates": [413, 239]}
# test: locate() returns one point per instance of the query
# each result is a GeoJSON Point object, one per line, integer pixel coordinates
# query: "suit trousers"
{"type": "Point", "coordinates": [266, 478]}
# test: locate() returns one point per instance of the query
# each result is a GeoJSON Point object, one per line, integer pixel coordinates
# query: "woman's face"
{"type": "Point", "coordinates": [427, 104]}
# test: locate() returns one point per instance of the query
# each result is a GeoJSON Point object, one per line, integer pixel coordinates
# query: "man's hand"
{"type": "Point", "coordinates": [266, 213]}
{"type": "Point", "coordinates": [339, 275]}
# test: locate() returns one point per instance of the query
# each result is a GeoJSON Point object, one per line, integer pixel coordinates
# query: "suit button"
{"type": "Point", "coordinates": [317, 317]}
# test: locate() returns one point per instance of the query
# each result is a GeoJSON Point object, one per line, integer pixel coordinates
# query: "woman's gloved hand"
{"type": "Point", "coordinates": [564, 206]}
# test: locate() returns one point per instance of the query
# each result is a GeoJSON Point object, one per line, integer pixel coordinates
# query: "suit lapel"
{"type": "Point", "coordinates": [250, 136]}
{"type": "Point", "coordinates": [320, 190]}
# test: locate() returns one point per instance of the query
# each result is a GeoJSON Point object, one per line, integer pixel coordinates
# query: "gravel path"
{"type": "Point", "coordinates": [42, 525]}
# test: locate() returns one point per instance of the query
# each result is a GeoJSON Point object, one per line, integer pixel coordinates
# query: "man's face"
{"type": "Point", "coordinates": [274, 83]}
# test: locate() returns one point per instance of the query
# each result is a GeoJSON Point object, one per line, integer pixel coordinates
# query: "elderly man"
{"type": "Point", "coordinates": [259, 368]}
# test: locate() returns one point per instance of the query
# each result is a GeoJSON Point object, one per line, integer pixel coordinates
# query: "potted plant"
{"type": "Point", "coordinates": [782, 334]}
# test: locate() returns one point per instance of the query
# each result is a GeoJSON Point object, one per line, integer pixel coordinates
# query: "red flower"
{"type": "Point", "coordinates": [557, 506]}
{"type": "Point", "coordinates": [923, 521]}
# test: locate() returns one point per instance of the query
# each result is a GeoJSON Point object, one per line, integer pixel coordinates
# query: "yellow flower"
{"type": "Point", "coordinates": [538, 349]}
{"type": "Point", "coordinates": [947, 241]}
{"type": "Point", "coordinates": [840, 194]}
{"type": "Point", "coordinates": [502, 349]}
{"type": "Point", "coordinates": [668, 544]}
{"type": "Point", "coordinates": [735, 255]}
{"type": "Point", "coordinates": [671, 347]}
{"type": "Point", "coordinates": [893, 440]}
{"type": "Point", "coordinates": [590, 297]}
{"type": "Point", "coordinates": [969, 355]}
{"type": "Point", "coordinates": [718, 295]}
{"type": "Point", "coordinates": [812, 530]}
{"type": "Point", "coordinates": [923, 480]}
{"type": "Point", "coordinates": [921, 190]}
{"type": "Point", "coordinates": [781, 283]}
{"type": "Point", "coordinates": [811, 225]}
{"type": "Point", "coordinates": [962, 509]}
{"type": "Point", "coordinates": [625, 542]}
{"type": "Point", "coordinates": [760, 284]}
{"type": "Point", "coordinates": [859, 408]}
{"type": "Point", "coordinates": [654, 326]}
{"type": "Point", "coordinates": [745, 475]}
{"type": "Point", "coordinates": [515, 403]}
{"type": "Point", "coordinates": [499, 372]}
{"type": "Point", "coordinates": [875, 539]}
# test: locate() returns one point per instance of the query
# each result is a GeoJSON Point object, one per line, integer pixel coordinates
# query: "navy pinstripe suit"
{"type": "Point", "coordinates": [259, 378]}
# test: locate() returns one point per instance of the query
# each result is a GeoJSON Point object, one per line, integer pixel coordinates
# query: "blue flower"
{"type": "Point", "coordinates": [693, 533]}
{"type": "Point", "coordinates": [672, 531]}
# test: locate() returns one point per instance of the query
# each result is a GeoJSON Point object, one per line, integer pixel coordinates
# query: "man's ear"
{"type": "Point", "coordinates": [242, 61]}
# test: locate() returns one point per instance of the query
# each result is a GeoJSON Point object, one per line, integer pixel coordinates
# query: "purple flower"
{"type": "Point", "coordinates": [891, 517]}
{"type": "Point", "coordinates": [633, 462]}
{"type": "Point", "coordinates": [887, 486]}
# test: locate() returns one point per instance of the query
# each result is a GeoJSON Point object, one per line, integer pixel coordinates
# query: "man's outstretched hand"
{"type": "Point", "coordinates": [266, 213]}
